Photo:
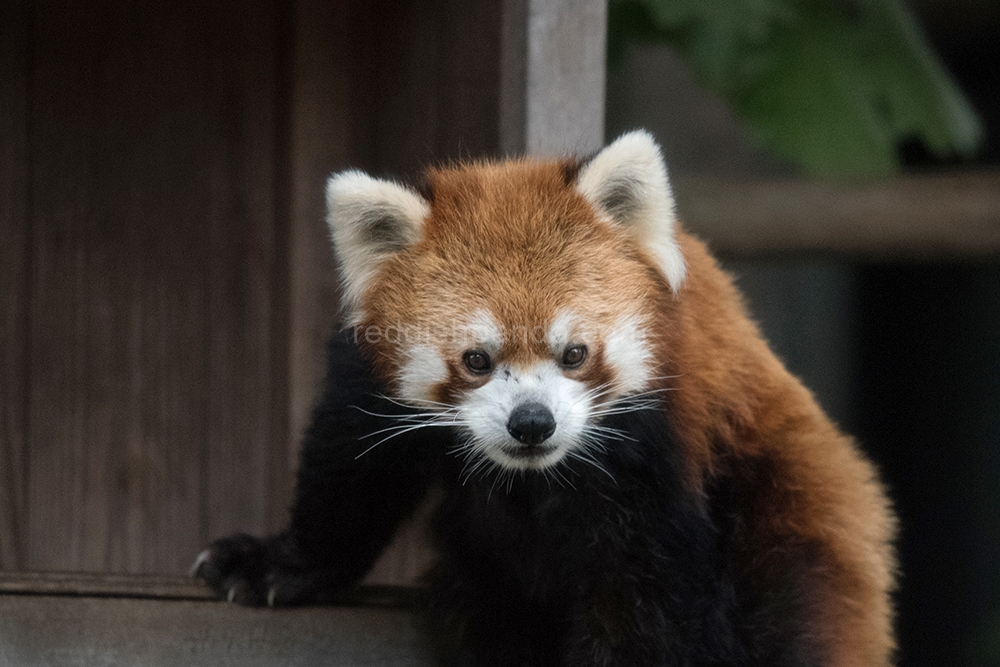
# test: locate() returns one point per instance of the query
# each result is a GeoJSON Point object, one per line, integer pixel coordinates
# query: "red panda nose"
{"type": "Point", "coordinates": [531, 423]}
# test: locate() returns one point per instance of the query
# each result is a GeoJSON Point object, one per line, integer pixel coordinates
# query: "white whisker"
{"type": "Point", "coordinates": [401, 431]}
{"type": "Point", "coordinates": [585, 456]}
{"type": "Point", "coordinates": [561, 478]}
{"type": "Point", "coordinates": [415, 402]}
{"type": "Point", "coordinates": [408, 422]}
{"type": "Point", "coordinates": [400, 417]}
{"type": "Point", "coordinates": [614, 433]}
{"type": "Point", "coordinates": [452, 421]}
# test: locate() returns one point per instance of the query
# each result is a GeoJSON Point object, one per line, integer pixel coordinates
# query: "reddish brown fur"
{"type": "Point", "coordinates": [735, 405]}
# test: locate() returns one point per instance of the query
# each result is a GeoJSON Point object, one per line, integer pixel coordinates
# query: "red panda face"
{"type": "Point", "coordinates": [521, 301]}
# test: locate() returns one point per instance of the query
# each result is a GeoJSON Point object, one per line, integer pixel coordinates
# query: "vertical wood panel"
{"type": "Point", "coordinates": [14, 259]}
{"type": "Point", "coordinates": [425, 83]}
{"type": "Point", "coordinates": [118, 318]}
{"type": "Point", "coordinates": [320, 144]}
{"type": "Point", "coordinates": [153, 209]}
{"type": "Point", "coordinates": [70, 489]}
{"type": "Point", "coordinates": [468, 89]}
{"type": "Point", "coordinates": [281, 479]}
{"type": "Point", "coordinates": [244, 253]}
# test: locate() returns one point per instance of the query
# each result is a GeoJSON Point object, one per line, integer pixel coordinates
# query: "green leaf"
{"type": "Point", "coordinates": [835, 85]}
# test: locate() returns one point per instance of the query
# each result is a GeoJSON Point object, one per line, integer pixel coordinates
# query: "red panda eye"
{"type": "Point", "coordinates": [477, 362]}
{"type": "Point", "coordinates": [574, 356]}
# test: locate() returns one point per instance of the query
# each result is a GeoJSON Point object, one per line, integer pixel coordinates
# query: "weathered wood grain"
{"type": "Point", "coordinates": [156, 245]}
{"type": "Point", "coordinates": [14, 281]}
{"type": "Point", "coordinates": [246, 386]}
{"type": "Point", "coordinates": [60, 630]}
{"type": "Point", "coordinates": [104, 585]}
{"type": "Point", "coordinates": [424, 83]}
{"type": "Point", "coordinates": [320, 129]}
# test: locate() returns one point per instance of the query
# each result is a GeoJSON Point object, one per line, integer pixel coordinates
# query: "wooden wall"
{"type": "Point", "coordinates": [426, 83]}
{"type": "Point", "coordinates": [144, 243]}
{"type": "Point", "coordinates": [166, 279]}
{"type": "Point", "coordinates": [13, 282]}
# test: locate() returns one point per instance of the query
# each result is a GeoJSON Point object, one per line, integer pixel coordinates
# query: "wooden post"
{"type": "Point", "coordinates": [552, 76]}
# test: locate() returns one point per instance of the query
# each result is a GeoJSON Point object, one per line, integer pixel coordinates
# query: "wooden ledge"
{"type": "Point", "coordinates": [141, 586]}
{"type": "Point", "coordinates": [917, 217]}
{"type": "Point", "coordinates": [103, 585]}
{"type": "Point", "coordinates": [60, 620]}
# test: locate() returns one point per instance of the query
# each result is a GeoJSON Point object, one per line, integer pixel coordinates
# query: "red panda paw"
{"type": "Point", "coordinates": [255, 572]}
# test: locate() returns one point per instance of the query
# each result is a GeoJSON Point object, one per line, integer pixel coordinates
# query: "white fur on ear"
{"type": "Point", "coordinates": [628, 181]}
{"type": "Point", "coordinates": [369, 220]}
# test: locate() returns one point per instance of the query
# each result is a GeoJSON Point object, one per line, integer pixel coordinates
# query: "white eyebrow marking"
{"type": "Point", "coordinates": [565, 325]}
{"type": "Point", "coordinates": [627, 351]}
{"type": "Point", "coordinates": [482, 331]}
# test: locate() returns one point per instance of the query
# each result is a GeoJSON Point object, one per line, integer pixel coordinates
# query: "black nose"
{"type": "Point", "coordinates": [531, 423]}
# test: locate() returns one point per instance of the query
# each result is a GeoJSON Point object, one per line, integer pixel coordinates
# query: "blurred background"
{"type": "Point", "coordinates": [166, 283]}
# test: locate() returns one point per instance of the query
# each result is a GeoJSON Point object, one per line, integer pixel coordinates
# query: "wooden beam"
{"type": "Point", "coordinates": [552, 76]}
{"type": "Point", "coordinates": [67, 629]}
{"type": "Point", "coordinates": [924, 217]}
{"type": "Point", "coordinates": [165, 587]}
{"type": "Point", "coordinates": [104, 585]}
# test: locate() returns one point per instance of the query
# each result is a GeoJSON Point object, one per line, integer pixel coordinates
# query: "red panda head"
{"type": "Point", "coordinates": [520, 301]}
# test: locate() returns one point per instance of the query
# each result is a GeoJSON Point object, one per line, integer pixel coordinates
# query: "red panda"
{"type": "Point", "coordinates": [629, 475]}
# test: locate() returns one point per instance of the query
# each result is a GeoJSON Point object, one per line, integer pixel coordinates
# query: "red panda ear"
{"type": "Point", "coordinates": [628, 181]}
{"type": "Point", "coordinates": [369, 219]}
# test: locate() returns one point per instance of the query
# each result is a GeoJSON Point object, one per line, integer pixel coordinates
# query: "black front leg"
{"type": "Point", "coordinates": [352, 493]}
